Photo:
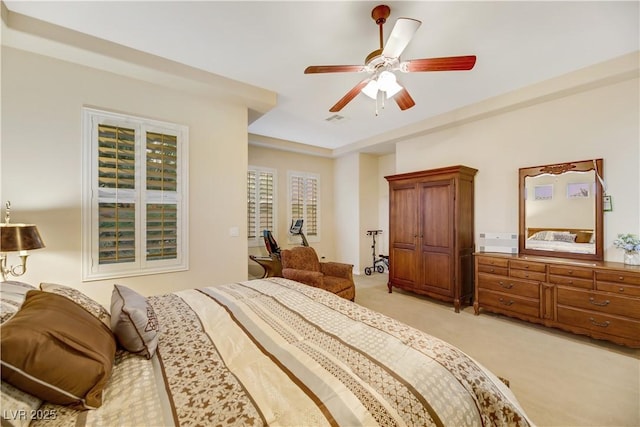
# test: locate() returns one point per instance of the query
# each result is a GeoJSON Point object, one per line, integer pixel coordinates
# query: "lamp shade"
{"type": "Point", "coordinates": [387, 82]}
{"type": "Point", "coordinates": [19, 237]}
{"type": "Point", "coordinates": [371, 89]}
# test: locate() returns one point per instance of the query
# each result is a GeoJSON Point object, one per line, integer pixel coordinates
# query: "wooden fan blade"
{"type": "Point", "coordinates": [312, 69]}
{"type": "Point", "coordinates": [451, 63]}
{"type": "Point", "coordinates": [404, 100]}
{"type": "Point", "coordinates": [400, 37]}
{"type": "Point", "coordinates": [349, 96]}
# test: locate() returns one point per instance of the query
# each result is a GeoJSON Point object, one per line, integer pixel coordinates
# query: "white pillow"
{"type": "Point", "coordinates": [133, 321]}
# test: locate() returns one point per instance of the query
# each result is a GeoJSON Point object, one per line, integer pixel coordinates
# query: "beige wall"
{"type": "Point", "coordinates": [386, 167]}
{"type": "Point", "coordinates": [601, 122]}
{"type": "Point", "coordinates": [368, 208]}
{"type": "Point", "coordinates": [282, 162]}
{"type": "Point", "coordinates": [41, 168]}
{"type": "Point", "coordinates": [347, 200]}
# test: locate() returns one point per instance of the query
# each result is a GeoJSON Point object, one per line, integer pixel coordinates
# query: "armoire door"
{"type": "Point", "coordinates": [436, 236]}
{"type": "Point", "coordinates": [403, 220]}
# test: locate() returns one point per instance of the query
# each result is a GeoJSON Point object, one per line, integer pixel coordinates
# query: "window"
{"type": "Point", "coordinates": [261, 209]}
{"type": "Point", "coordinates": [304, 202]}
{"type": "Point", "coordinates": [135, 196]}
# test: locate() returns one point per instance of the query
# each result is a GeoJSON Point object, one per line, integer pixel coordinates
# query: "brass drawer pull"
{"type": "Point", "coordinates": [601, 304]}
{"type": "Point", "coordinates": [507, 285]}
{"type": "Point", "coordinates": [602, 325]}
{"type": "Point", "coordinates": [507, 303]}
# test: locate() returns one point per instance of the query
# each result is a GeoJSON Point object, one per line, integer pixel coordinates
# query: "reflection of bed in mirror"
{"type": "Point", "coordinates": [581, 241]}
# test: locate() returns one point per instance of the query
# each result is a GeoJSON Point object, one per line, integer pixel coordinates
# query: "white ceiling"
{"type": "Point", "coordinates": [269, 44]}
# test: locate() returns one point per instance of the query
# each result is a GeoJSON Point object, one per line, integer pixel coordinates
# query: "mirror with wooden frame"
{"type": "Point", "coordinates": [560, 208]}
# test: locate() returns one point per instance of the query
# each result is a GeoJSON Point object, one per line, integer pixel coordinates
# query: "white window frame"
{"type": "Point", "coordinates": [92, 195]}
{"type": "Point", "coordinates": [258, 240]}
{"type": "Point", "coordinates": [305, 175]}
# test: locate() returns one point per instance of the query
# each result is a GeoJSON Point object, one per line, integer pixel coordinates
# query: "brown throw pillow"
{"type": "Point", "coordinates": [133, 321]}
{"type": "Point", "coordinates": [57, 351]}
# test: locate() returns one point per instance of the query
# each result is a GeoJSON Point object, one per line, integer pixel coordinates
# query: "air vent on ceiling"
{"type": "Point", "coordinates": [335, 118]}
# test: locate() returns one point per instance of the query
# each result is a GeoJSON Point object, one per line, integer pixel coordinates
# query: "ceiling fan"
{"type": "Point", "coordinates": [381, 63]}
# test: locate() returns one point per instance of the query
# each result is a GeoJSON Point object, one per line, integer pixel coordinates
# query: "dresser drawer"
{"type": "Point", "coordinates": [618, 277]}
{"type": "Point", "coordinates": [508, 302]}
{"type": "Point", "coordinates": [496, 262]}
{"type": "Point", "coordinates": [503, 271]}
{"type": "Point", "coordinates": [509, 285]}
{"type": "Point", "coordinates": [563, 270]}
{"type": "Point", "coordinates": [599, 301]}
{"type": "Point", "coordinates": [629, 290]}
{"type": "Point", "coordinates": [571, 281]}
{"type": "Point", "coordinates": [531, 275]}
{"type": "Point", "coordinates": [598, 322]}
{"type": "Point", "coordinates": [528, 266]}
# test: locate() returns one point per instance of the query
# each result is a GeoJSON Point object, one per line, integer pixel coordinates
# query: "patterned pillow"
{"type": "Point", "coordinates": [540, 235]}
{"type": "Point", "coordinates": [55, 350]}
{"type": "Point", "coordinates": [133, 321]}
{"type": "Point", "coordinates": [18, 407]}
{"type": "Point", "coordinates": [564, 237]}
{"type": "Point", "coordinates": [12, 296]}
{"type": "Point", "coordinates": [81, 299]}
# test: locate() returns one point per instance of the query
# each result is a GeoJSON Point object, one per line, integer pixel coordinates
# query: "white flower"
{"type": "Point", "coordinates": [628, 242]}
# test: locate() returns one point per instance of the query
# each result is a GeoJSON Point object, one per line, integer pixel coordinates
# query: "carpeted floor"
{"type": "Point", "coordinates": [560, 379]}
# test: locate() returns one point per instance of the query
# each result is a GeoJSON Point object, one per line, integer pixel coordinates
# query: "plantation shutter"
{"type": "Point", "coordinates": [251, 205]}
{"type": "Point", "coordinates": [297, 197]}
{"type": "Point", "coordinates": [311, 207]}
{"type": "Point", "coordinates": [162, 185]}
{"type": "Point", "coordinates": [304, 202]}
{"type": "Point", "coordinates": [265, 200]}
{"type": "Point", "coordinates": [135, 196]}
{"type": "Point", "coordinates": [260, 202]}
{"type": "Point", "coordinates": [116, 193]}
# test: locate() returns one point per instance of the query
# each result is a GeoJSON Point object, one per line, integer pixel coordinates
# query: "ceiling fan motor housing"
{"type": "Point", "coordinates": [372, 56]}
{"type": "Point", "coordinates": [381, 13]}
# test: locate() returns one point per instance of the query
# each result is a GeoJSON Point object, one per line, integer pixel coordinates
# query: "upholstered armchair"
{"type": "Point", "coordinates": [302, 264]}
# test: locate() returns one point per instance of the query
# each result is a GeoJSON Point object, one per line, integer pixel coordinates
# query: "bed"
{"type": "Point", "coordinates": [581, 241]}
{"type": "Point", "coordinates": [262, 352]}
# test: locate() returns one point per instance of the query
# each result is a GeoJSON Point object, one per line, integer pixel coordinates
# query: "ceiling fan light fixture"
{"type": "Point", "coordinates": [371, 89]}
{"type": "Point", "coordinates": [387, 83]}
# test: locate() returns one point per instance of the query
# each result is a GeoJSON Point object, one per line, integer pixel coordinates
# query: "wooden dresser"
{"type": "Point", "coordinates": [431, 233]}
{"type": "Point", "coordinates": [598, 299]}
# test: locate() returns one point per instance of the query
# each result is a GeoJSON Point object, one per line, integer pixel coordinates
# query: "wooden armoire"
{"type": "Point", "coordinates": [431, 237]}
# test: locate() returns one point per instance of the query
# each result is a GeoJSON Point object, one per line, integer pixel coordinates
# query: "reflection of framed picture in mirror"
{"type": "Point", "coordinates": [543, 192]}
{"type": "Point", "coordinates": [578, 190]}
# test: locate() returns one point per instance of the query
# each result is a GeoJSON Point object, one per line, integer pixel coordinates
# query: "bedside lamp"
{"type": "Point", "coordinates": [17, 238]}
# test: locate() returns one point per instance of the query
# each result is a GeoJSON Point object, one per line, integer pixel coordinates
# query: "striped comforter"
{"type": "Point", "coordinates": [277, 352]}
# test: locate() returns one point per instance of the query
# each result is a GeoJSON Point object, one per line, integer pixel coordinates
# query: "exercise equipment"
{"type": "Point", "coordinates": [296, 230]}
{"type": "Point", "coordinates": [380, 261]}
